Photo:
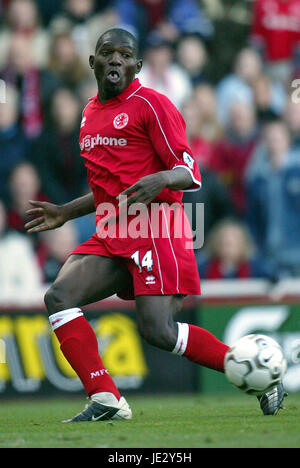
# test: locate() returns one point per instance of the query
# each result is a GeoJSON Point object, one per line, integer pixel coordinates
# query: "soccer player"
{"type": "Point", "coordinates": [136, 154]}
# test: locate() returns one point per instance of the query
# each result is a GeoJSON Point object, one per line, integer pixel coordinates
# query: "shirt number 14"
{"type": "Point", "coordinates": [147, 260]}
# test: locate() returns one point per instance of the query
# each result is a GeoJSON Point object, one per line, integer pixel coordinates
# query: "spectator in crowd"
{"type": "Point", "coordinates": [273, 193]}
{"type": "Point", "coordinates": [65, 62]}
{"type": "Point", "coordinates": [215, 199]}
{"type": "Point", "coordinates": [210, 127]}
{"type": "Point", "coordinates": [262, 95]}
{"type": "Point", "coordinates": [192, 57]}
{"type": "Point", "coordinates": [170, 19]}
{"type": "Point", "coordinates": [49, 9]}
{"type": "Point", "coordinates": [14, 146]}
{"type": "Point", "coordinates": [35, 86]}
{"type": "Point", "coordinates": [238, 85]}
{"type": "Point", "coordinates": [231, 19]}
{"type": "Point", "coordinates": [233, 152]}
{"type": "Point", "coordinates": [22, 17]}
{"type": "Point", "coordinates": [58, 245]}
{"type": "Point", "coordinates": [24, 185]}
{"type": "Point", "coordinates": [276, 34]}
{"type": "Point", "coordinates": [202, 149]}
{"type": "Point", "coordinates": [81, 19]}
{"type": "Point", "coordinates": [213, 194]}
{"type": "Point", "coordinates": [85, 90]}
{"type": "Point", "coordinates": [55, 8]}
{"type": "Point", "coordinates": [292, 119]}
{"type": "Point", "coordinates": [230, 254]}
{"type": "Point", "coordinates": [228, 11]}
{"type": "Point", "coordinates": [248, 67]}
{"type": "Point", "coordinates": [161, 73]}
{"type": "Point", "coordinates": [20, 276]}
{"type": "Point", "coordinates": [2, 5]}
{"type": "Point", "coordinates": [56, 154]}
{"type": "Point", "coordinates": [188, 17]}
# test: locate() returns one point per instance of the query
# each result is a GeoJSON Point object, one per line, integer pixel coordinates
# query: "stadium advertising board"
{"type": "Point", "coordinates": [229, 322]}
{"type": "Point", "coordinates": [32, 363]}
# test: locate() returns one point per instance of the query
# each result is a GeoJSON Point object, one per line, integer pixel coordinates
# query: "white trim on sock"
{"type": "Point", "coordinates": [63, 317]}
{"type": "Point", "coordinates": [182, 340]}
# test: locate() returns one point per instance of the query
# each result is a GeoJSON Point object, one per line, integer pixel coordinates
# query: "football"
{"type": "Point", "coordinates": [255, 364]}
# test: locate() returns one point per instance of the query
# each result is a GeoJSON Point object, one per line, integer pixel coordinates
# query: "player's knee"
{"type": "Point", "coordinates": [157, 335]}
{"type": "Point", "coordinates": [56, 300]}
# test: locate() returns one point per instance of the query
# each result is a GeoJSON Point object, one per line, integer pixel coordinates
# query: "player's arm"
{"type": "Point", "coordinates": [147, 188]}
{"type": "Point", "coordinates": [177, 179]}
{"type": "Point", "coordinates": [50, 216]}
{"type": "Point", "coordinates": [166, 130]}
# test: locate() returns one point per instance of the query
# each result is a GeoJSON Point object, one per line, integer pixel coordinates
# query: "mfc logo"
{"type": "Point", "coordinates": [99, 373]}
{"type": "Point", "coordinates": [2, 92]}
{"type": "Point", "coordinates": [90, 142]}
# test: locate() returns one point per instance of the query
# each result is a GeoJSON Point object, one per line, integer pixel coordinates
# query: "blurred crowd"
{"type": "Point", "coordinates": [243, 124]}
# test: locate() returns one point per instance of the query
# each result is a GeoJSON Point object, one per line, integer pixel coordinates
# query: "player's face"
{"type": "Point", "coordinates": [115, 65]}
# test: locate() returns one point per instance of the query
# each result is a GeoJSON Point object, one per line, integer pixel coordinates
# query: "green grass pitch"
{"type": "Point", "coordinates": [187, 421]}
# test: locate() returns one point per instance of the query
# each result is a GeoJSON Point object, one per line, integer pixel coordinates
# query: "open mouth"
{"type": "Point", "coordinates": [113, 76]}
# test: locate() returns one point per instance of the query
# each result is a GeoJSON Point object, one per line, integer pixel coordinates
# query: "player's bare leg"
{"type": "Point", "coordinates": [85, 279]}
{"type": "Point", "coordinates": [157, 326]}
{"type": "Point", "coordinates": [155, 318]}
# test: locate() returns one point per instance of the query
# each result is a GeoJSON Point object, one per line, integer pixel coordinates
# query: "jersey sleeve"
{"type": "Point", "coordinates": [166, 129]}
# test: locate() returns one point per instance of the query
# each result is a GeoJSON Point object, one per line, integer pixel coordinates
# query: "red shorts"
{"type": "Point", "coordinates": [160, 263]}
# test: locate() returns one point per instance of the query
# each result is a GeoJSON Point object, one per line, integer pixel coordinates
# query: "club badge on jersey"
{"type": "Point", "coordinates": [120, 121]}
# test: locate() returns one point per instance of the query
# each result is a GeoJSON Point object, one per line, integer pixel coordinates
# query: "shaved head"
{"type": "Point", "coordinates": [119, 33]}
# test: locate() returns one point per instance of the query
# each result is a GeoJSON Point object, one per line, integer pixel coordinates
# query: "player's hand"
{"type": "Point", "coordinates": [143, 191]}
{"type": "Point", "coordinates": [50, 216]}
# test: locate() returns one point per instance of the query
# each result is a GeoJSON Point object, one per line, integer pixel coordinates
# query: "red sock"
{"type": "Point", "coordinates": [200, 346]}
{"type": "Point", "coordinates": [79, 345]}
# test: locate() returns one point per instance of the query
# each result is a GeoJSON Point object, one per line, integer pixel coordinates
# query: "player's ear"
{"type": "Point", "coordinates": [92, 61]}
{"type": "Point", "coordinates": [138, 66]}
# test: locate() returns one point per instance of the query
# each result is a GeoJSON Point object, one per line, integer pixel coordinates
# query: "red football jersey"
{"type": "Point", "coordinates": [277, 24]}
{"type": "Point", "coordinates": [137, 133]}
